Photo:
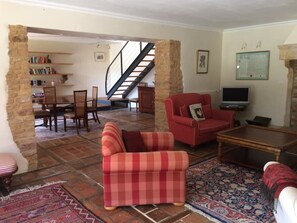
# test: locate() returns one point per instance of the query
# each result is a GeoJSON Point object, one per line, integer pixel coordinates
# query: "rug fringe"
{"type": "Point", "coordinates": [202, 213]}
{"type": "Point", "coordinates": [27, 189]}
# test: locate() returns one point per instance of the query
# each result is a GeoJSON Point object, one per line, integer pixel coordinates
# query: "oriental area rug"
{"type": "Point", "coordinates": [227, 193]}
{"type": "Point", "coordinates": [49, 203]}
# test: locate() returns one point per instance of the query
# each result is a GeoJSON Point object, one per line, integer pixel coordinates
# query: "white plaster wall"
{"type": "Point", "coordinates": [52, 18]}
{"type": "Point", "coordinates": [86, 71]}
{"type": "Point", "coordinates": [268, 97]}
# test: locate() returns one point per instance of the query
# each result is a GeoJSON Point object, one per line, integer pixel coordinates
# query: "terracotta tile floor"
{"type": "Point", "coordinates": [76, 160]}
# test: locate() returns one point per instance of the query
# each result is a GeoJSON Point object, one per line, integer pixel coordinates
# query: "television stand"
{"type": "Point", "coordinates": [235, 108]}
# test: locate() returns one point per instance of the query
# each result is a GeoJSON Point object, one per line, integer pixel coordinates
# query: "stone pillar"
{"type": "Point", "coordinates": [168, 78]}
{"type": "Point", "coordinates": [288, 53]}
{"type": "Point", "coordinates": [293, 87]}
{"type": "Point", "coordinates": [19, 105]}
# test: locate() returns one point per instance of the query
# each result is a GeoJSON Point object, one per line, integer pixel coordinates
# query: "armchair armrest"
{"type": "Point", "coordinates": [145, 162]}
{"type": "Point", "coordinates": [158, 141]}
{"type": "Point", "coordinates": [185, 121]}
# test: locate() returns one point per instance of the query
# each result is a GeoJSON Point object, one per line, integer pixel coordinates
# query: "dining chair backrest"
{"type": "Point", "coordinates": [49, 95]}
{"type": "Point", "coordinates": [94, 96]}
{"type": "Point", "coordinates": [80, 103]}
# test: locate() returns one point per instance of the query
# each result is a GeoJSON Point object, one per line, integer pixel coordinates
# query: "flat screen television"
{"type": "Point", "coordinates": [235, 95]}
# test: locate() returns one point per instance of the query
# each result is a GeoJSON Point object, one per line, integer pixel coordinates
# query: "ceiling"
{"type": "Point", "coordinates": [201, 14]}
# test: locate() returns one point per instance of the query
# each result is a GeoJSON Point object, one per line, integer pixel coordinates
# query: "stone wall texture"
{"type": "Point", "coordinates": [288, 53]}
{"type": "Point", "coordinates": [168, 78]}
{"type": "Point", "coordinates": [293, 118]}
{"type": "Point", "coordinates": [19, 106]}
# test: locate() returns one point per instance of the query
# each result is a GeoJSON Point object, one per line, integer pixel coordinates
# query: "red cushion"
{"type": "Point", "coordinates": [211, 126]}
{"type": "Point", "coordinates": [184, 111]}
{"type": "Point", "coordinates": [133, 141]}
{"type": "Point", "coordinates": [207, 111]}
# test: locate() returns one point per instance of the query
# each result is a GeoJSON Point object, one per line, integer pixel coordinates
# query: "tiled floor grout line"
{"type": "Point", "coordinates": [145, 214]}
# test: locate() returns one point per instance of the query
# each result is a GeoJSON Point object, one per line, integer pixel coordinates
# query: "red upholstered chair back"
{"type": "Point", "coordinates": [112, 140]}
{"type": "Point", "coordinates": [187, 99]}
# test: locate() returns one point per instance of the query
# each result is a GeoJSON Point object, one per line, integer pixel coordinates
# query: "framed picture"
{"type": "Point", "coordinates": [202, 61]}
{"type": "Point", "coordinates": [252, 65]}
{"type": "Point", "coordinates": [99, 57]}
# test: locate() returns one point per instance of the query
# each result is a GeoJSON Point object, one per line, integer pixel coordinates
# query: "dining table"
{"type": "Point", "coordinates": [62, 101]}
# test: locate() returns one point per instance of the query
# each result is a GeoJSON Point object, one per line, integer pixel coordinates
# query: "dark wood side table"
{"type": "Point", "coordinates": [146, 97]}
{"type": "Point", "coordinates": [236, 108]}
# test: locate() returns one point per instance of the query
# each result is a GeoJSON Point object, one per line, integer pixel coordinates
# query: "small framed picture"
{"type": "Point", "coordinates": [202, 61]}
{"type": "Point", "coordinates": [99, 57]}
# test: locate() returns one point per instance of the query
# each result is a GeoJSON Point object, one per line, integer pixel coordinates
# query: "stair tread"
{"type": "Point", "coordinates": [137, 74]}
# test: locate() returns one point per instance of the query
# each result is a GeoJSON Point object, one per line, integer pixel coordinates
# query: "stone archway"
{"type": "Point", "coordinates": [168, 81]}
{"type": "Point", "coordinates": [19, 106]}
{"type": "Point", "coordinates": [288, 53]}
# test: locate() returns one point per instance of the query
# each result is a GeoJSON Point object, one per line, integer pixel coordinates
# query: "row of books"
{"type": "Point", "coordinates": [45, 70]}
{"type": "Point", "coordinates": [40, 59]}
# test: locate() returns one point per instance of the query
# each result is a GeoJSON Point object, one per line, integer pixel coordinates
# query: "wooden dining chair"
{"type": "Point", "coordinates": [50, 103]}
{"type": "Point", "coordinates": [93, 108]}
{"type": "Point", "coordinates": [80, 110]}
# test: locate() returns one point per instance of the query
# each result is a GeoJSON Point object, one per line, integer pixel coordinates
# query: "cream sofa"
{"type": "Point", "coordinates": [286, 207]}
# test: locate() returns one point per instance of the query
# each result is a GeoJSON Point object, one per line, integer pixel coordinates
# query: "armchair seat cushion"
{"type": "Point", "coordinates": [146, 162]}
{"type": "Point", "coordinates": [212, 125]}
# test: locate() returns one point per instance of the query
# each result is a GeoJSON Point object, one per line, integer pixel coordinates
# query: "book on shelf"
{"type": "Point", "coordinates": [39, 59]}
{"type": "Point", "coordinates": [45, 70]}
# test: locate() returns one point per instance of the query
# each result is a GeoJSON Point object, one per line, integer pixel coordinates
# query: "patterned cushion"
{"type": "Point", "coordinates": [197, 112]}
{"type": "Point", "coordinates": [111, 140]}
{"type": "Point", "coordinates": [8, 165]}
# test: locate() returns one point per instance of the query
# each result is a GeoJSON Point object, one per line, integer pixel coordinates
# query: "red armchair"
{"type": "Point", "coordinates": [136, 178]}
{"type": "Point", "coordinates": [190, 131]}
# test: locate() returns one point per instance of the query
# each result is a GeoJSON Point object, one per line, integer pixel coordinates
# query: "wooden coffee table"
{"type": "Point", "coordinates": [267, 140]}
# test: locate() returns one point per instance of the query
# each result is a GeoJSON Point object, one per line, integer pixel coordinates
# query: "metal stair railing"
{"type": "Point", "coordinates": [121, 63]}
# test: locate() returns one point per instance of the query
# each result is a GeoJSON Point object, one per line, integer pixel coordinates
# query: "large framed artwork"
{"type": "Point", "coordinates": [202, 61]}
{"type": "Point", "coordinates": [252, 65]}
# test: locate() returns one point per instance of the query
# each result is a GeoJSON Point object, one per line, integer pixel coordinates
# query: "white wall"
{"type": "Point", "coordinates": [52, 18]}
{"type": "Point", "coordinates": [268, 97]}
{"type": "Point", "coordinates": [86, 71]}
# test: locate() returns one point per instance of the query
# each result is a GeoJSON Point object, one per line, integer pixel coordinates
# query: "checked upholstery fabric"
{"type": "Point", "coordinates": [152, 177]}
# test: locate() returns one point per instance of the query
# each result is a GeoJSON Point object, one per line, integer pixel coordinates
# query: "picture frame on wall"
{"type": "Point", "coordinates": [252, 65]}
{"type": "Point", "coordinates": [99, 56]}
{"type": "Point", "coordinates": [202, 60]}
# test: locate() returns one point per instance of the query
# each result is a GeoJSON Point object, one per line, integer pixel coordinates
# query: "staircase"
{"type": "Point", "coordinates": [130, 66]}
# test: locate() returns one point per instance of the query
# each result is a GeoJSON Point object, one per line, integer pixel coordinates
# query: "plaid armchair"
{"type": "Point", "coordinates": [152, 177]}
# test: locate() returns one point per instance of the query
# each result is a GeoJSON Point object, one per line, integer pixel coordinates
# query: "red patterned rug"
{"type": "Point", "coordinates": [50, 203]}
{"type": "Point", "coordinates": [227, 193]}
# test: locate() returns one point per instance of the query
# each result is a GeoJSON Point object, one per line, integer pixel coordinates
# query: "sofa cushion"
{"type": "Point", "coordinates": [197, 112]}
{"type": "Point", "coordinates": [184, 111]}
{"type": "Point", "coordinates": [212, 125]}
{"type": "Point", "coordinates": [207, 111]}
{"type": "Point", "coordinates": [133, 141]}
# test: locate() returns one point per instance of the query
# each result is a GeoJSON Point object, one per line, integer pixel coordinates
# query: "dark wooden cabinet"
{"type": "Point", "coordinates": [146, 97]}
